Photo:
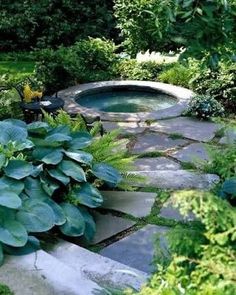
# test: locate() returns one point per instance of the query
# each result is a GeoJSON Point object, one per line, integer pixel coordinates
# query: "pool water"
{"type": "Point", "coordinates": [126, 101]}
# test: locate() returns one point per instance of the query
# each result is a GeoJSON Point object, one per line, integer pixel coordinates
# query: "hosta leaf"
{"type": "Point", "coordinates": [36, 216]}
{"type": "Point", "coordinates": [58, 137]}
{"type": "Point", "coordinates": [88, 195]}
{"type": "Point", "coordinates": [13, 233]}
{"type": "Point", "coordinates": [75, 224]}
{"type": "Point", "coordinates": [51, 156]}
{"type": "Point", "coordinates": [48, 185]}
{"type": "Point", "coordinates": [33, 188]}
{"type": "Point", "coordinates": [32, 245]}
{"type": "Point", "coordinates": [38, 127]}
{"type": "Point", "coordinates": [16, 186]}
{"type": "Point", "coordinates": [62, 129]}
{"type": "Point", "coordinates": [26, 144]}
{"type": "Point", "coordinates": [57, 210]}
{"type": "Point", "coordinates": [9, 199]}
{"type": "Point", "coordinates": [10, 132]}
{"type": "Point", "coordinates": [73, 170]}
{"type": "Point", "coordinates": [80, 156]}
{"type": "Point", "coordinates": [229, 187]}
{"type": "Point", "coordinates": [57, 174]}
{"type": "Point", "coordinates": [90, 225]}
{"type": "Point", "coordinates": [2, 160]}
{"type": "Point", "coordinates": [16, 122]}
{"type": "Point", "coordinates": [37, 170]}
{"type": "Point", "coordinates": [80, 140]}
{"type": "Point", "coordinates": [106, 173]}
{"type": "Point", "coordinates": [18, 169]}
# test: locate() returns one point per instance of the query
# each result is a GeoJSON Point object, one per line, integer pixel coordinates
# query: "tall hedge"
{"type": "Point", "coordinates": [26, 24]}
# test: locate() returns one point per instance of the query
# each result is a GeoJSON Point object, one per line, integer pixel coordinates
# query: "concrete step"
{"type": "Point", "coordinates": [40, 273]}
{"type": "Point", "coordinates": [104, 271]}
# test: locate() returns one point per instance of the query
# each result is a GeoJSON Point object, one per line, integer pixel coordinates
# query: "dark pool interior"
{"type": "Point", "coordinates": [125, 100]}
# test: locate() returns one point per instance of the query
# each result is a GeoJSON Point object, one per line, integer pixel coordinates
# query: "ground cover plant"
{"type": "Point", "coordinates": [47, 180]}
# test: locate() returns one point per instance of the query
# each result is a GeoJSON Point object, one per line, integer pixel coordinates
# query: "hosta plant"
{"type": "Point", "coordinates": [47, 180]}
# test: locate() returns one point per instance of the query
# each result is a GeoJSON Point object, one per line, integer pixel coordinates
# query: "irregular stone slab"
{"type": "Point", "coordinates": [125, 128]}
{"type": "Point", "coordinates": [192, 153]}
{"type": "Point", "coordinates": [230, 137]}
{"type": "Point", "coordinates": [188, 127]}
{"type": "Point", "coordinates": [108, 226]}
{"type": "Point", "coordinates": [154, 164]}
{"type": "Point", "coordinates": [169, 211]}
{"type": "Point", "coordinates": [41, 274]}
{"type": "Point", "coordinates": [138, 204]}
{"type": "Point", "coordinates": [151, 142]}
{"type": "Point", "coordinates": [106, 272]}
{"type": "Point", "coordinates": [137, 249]}
{"type": "Point", "coordinates": [178, 179]}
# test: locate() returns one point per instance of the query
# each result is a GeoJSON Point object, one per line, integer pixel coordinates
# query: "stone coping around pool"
{"type": "Point", "coordinates": [181, 94]}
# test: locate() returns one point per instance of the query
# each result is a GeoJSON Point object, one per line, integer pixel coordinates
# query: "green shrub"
{"type": "Point", "coordinates": [177, 75]}
{"type": "Point", "coordinates": [47, 180]}
{"type": "Point", "coordinates": [133, 70]}
{"type": "Point", "coordinates": [25, 24]}
{"type": "Point", "coordinates": [210, 268]}
{"type": "Point", "coordinates": [205, 107]}
{"type": "Point", "coordinates": [219, 83]}
{"type": "Point", "coordinates": [199, 26]}
{"type": "Point", "coordinates": [86, 61]}
{"type": "Point", "coordinates": [4, 290]}
{"type": "Point", "coordinates": [9, 104]}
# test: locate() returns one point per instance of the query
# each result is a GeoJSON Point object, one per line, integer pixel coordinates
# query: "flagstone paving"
{"type": "Point", "coordinates": [193, 153]}
{"type": "Point", "coordinates": [188, 127]}
{"type": "Point", "coordinates": [138, 204]}
{"type": "Point", "coordinates": [137, 250]}
{"type": "Point", "coordinates": [155, 164]}
{"type": "Point", "coordinates": [151, 142]}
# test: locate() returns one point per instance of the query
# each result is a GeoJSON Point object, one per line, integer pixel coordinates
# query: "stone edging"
{"type": "Point", "coordinates": [183, 96]}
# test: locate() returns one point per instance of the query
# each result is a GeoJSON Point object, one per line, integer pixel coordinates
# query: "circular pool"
{"type": "Point", "coordinates": [126, 100]}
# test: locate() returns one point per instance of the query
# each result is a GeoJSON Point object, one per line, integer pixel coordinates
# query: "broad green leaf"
{"type": "Point", "coordinates": [36, 216]}
{"type": "Point", "coordinates": [32, 245]}
{"type": "Point", "coordinates": [9, 199]}
{"type": "Point", "coordinates": [80, 140]}
{"type": "Point", "coordinates": [16, 186]}
{"type": "Point", "coordinates": [73, 170]}
{"type": "Point", "coordinates": [88, 195]}
{"type": "Point", "coordinates": [13, 233]}
{"type": "Point", "coordinates": [80, 156]}
{"type": "Point", "coordinates": [90, 225]}
{"type": "Point", "coordinates": [229, 186]}
{"type": "Point", "coordinates": [40, 128]}
{"type": "Point", "coordinates": [48, 185]}
{"type": "Point", "coordinates": [37, 170]}
{"type": "Point", "coordinates": [33, 188]}
{"type": "Point", "coordinates": [16, 122]}
{"type": "Point", "coordinates": [58, 137]}
{"type": "Point", "coordinates": [10, 132]}
{"type": "Point", "coordinates": [57, 174]}
{"type": "Point", "coordinates": [75, 224]}
{"type": "Point", "coordinates": [57, 210]}
{"type": "Point", "coordinates": [18, 169]}
{"type": "Point", "coordinates": [26, 144]}
{"type": "Point", "coordinates": [51, 156]}
{"type": "Point", "coordinates": [106, 173]}
{"type": "Point", "coordinates": [2, 160]}
{"type": "Point", "coordinates": [62, 129]}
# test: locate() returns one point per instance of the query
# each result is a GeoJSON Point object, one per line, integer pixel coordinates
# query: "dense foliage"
{"type": "Point", "coordinates": [28, 24]}
{"type": "Point", "coordinates": [199, 26]}
{"type": "Point", "coordinates": [205, 107]}
{"type": "Point", "coordinates": [87, 60]}
{"type": "Point", "coordinates": [208, 265]}
{"type": "Point", "coordinates": [47, 179]}
{"type": "Point", "coordinates": [4, 290]}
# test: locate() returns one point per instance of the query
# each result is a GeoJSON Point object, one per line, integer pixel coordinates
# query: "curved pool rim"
{"type": "Point", "coordinates": [72, 106]}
